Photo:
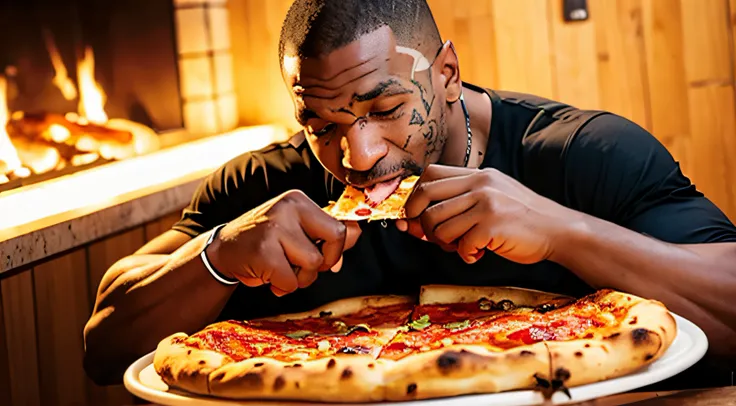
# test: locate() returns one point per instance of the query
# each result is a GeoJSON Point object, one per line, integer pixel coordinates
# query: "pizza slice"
{"type": "Point", "coordinates": [383, 201]}
{"type": "Point", "coordinates": [489, 339]}
{"type": "Point", "coordinates": [328, 353]}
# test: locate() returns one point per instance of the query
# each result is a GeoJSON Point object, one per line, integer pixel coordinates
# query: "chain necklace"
{"type": "Point", "coordinates": [470, 133]}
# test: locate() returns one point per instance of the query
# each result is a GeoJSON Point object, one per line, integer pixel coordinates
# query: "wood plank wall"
{"type": "Point", "coordinates": [42, 315]}
{"type": "Point", "coordinates": [667, 65]}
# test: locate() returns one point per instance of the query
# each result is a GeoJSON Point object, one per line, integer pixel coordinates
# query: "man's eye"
{"type": "Point", "coordinates": [386, 113]}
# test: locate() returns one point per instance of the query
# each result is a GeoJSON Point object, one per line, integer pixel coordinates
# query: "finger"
{"type": "Point", "coordinates": [435, 171]}
{"type": "Point", "coordinates": [402, 225]}
{"type": "Point", "coordinates": [445, 210]}
{"type": "Point", "coordinates": [336, 268]}
{"type": "Point", "coordinates": [352, 233]}
{"type": "Point", "coordinates": [472, 245]}
{"type": "Point", "coordinates": [319, 225]}
{"type": "Point", "coordinates": [278, 292]}
{"type": "Point", "coordinates": [451, 230]}
{"type": "Point", "coordinates": [279, 273]}
{"type": "Point", "coordinates": [303, 254]}
{"type": "Point", "coordinates": [436, 190]}
{"type": "Point", "coordinates": [414, 227]}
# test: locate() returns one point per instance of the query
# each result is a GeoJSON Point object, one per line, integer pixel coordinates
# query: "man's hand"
{"type": "Point", "coordinates": [469, 210]}
{"type": "Point", "coordinates": [285, 242]}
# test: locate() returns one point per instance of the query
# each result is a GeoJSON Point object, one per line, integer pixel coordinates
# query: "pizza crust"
{"type": "Point", "coordinates": [438, 294]}
{"type": "Point", "coordinates": [343, 378]}
{"type": "Point", "coordinates": [465, 369]}
{"type": "Point", "coordinates": [641, 338]}
{"type": "Point", "coordinates": [184, 367]}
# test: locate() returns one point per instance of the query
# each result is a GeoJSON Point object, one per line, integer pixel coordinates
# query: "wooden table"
{"type": "Point", "coordinates": [691, 397]}
{"type": "Point", "coordinates": [725, 396]}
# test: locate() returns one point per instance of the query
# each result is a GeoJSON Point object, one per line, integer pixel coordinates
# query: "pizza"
{"type": "Point", "coordinates": [382, 201]}
{"type": "Point", "coordinates": [447, 341]}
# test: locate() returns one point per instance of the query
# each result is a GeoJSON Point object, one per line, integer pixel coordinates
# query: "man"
{"type": "Point", "coordinates": [515, 191]}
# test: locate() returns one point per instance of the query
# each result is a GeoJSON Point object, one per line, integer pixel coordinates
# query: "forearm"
{"type": "Point", "coordinates": [697, 281]}
{"type": "Point", "coordinates": [144, 298]}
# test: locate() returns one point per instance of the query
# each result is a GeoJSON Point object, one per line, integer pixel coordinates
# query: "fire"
{"type": "Point", "coordinates": [91, 99]}
{"type": "Point", "coordinates": [9, 161]}
{"type": "Point", "coordinates": [61, 78]}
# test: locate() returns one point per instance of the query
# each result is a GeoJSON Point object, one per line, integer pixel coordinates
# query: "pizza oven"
{"type": "Point", "coordinates": [86, 82]}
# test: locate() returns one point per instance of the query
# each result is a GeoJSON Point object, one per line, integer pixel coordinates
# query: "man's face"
{"type": "Point", "coordinates": [370, 110]}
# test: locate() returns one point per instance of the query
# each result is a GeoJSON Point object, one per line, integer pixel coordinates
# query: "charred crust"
{"type": "Point", "coordinates": [411, 388]}
{"type": "Point", "coordinates": [279, 383]}
{"type": "Point", "coordinates": [525, 353]}
{"type": "Point", "coordinates": [648, 357]}
{"type": "Point", "coordinates": [578, 354]}
{"type": "Point", "coordinates": [346, 373]}
{"type": "Point", "coordinates": [614, 335]}
{"type": "Point", "coordinates": [258, 364]}
{"type": "Point", "coordinates": [640, 336]}
{"type": "Point", "coordinates": [296, 384]}
{"type": "Point", "coordinates": [189, 352]}
{"type": "Point", "coordinates": [545, 308]}
{"type": "Point", "coordinates": [562, 374]}
{"type": "Point", "coordinates": [297, 365]}
{"type": "Point", "coordinates": [371, 365]}
{"type": "Point", "coordinates": [331, 363]}
{"type": "Point", "coordinates": [633, 320]}
{"type": "Point", "coordinates": [324, 313]}
{"type": "Point", "coordinates": [589, 335]}
{"type": "Point", "coordinates": [505, 305]}
{"type": "Point", "coordinates": [202, 362]}
{"type": "Point", "coordinates": [448, 361]}
{"type": "Point", "coordinates": [252, 380]}
{"type": "Point", "coordinates": [587, 345]}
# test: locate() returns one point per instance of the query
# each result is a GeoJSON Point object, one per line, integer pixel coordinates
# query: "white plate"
{"type": "Point", "coordinates": [688, 347]}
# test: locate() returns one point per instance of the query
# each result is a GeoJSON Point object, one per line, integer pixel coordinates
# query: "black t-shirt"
{"type": "Point", "coordinates": [591, 161]}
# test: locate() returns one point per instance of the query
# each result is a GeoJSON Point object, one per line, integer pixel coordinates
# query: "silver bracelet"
{"type": "Point", "coordinates": [217, 275]}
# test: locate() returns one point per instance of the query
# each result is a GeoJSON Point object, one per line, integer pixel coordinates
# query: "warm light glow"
{"type": "Point", "coordinates": [61, 78]}
{"type": "Point", "coordinates": [8, 154]}
{"type": "Point", "coordinates": [91, 97]}
{"type": "Point", "coordinates": [59, 133]}
{"type": "Point", "coordinates": [40, 157]}
{"type": "Point", "coordinates": [117, 181]}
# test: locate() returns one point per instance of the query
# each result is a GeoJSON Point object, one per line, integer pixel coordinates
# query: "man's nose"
{"type": "Point", "coordinates": [362, 147]}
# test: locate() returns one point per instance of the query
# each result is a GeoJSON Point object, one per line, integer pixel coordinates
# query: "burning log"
{"type": "Point", "coordinates": [38, 155]}
{"type": "Point", "coordinates": [39, 125]}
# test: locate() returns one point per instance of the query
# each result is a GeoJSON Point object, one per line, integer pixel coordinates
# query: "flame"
{"type": "Point", "coordinates": [8, 154]}
{"type": "Point", "coordinates": [61, 79]}
{"type": "Point", "coordinates": [91, 97]}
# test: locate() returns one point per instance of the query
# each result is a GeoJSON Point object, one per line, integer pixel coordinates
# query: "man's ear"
{"type": "Point", "coordinates": [449, 68]}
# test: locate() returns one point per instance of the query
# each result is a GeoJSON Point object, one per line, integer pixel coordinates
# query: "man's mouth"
{"type": "Point", "coordinates": [378, 192]}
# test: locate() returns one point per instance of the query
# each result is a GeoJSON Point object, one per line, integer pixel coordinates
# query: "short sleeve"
{"type": "Point", "coordinates": [249, 181]}
{"type": "Point", "coordinates": [617, 171]}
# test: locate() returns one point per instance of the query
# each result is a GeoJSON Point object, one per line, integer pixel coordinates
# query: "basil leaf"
{"type": "Point", "coordinates": [299, 334]}
{"type": "Point", "coordinates": [458, 325]}
{"type": "Point", "coordinates": [421, 323]}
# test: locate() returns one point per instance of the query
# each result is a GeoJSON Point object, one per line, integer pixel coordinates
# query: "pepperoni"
{"type": "Point", "coordinates": [363, 212]}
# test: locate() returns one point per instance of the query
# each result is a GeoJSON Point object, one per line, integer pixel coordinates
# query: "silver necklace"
{"type": "Point", "coordinates": [470, 133]}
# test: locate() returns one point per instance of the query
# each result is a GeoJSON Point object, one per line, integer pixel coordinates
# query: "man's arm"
{"type": "Point", "coordinates": [162, 289]}
{"type": "Point", "coordinates": [696, 281]}
{"type": "Point", "coordinates": [648, 230]}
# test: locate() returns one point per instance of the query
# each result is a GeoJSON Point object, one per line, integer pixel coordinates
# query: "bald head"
{"type": "Point", "coordinates": [313, 28]}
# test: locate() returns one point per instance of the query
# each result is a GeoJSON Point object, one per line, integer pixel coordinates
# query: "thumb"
{"type": "Point", "coordinates": [352, 234]}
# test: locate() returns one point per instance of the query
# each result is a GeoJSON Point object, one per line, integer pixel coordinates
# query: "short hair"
{"type": "Point", "coordinates": [313, 28]}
